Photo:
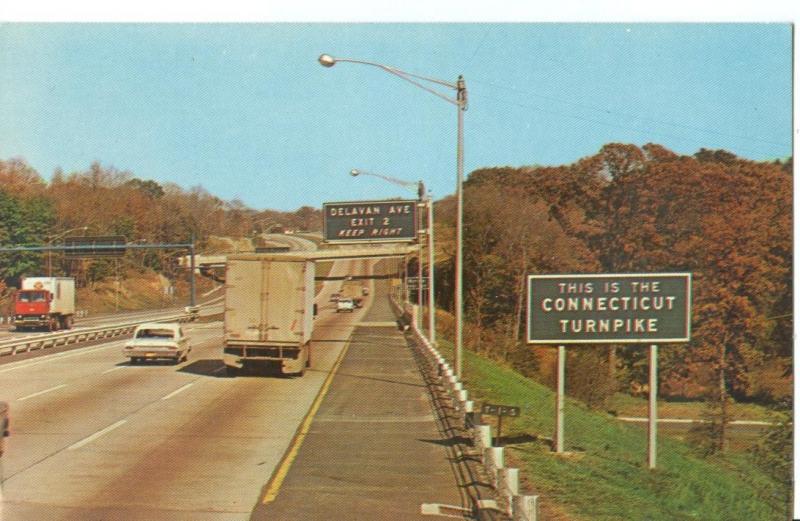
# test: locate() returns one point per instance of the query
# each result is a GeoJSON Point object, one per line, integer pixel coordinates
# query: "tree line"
{"type": "Point", "coordinates": [106, 201]}
{"type": "Point", "coordinates": [630, 209]}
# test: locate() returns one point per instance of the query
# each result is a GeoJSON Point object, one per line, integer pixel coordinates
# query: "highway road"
{"type": "Point", "coordinates": [96, 438]}
{"type": "Point", "coordinates": [294, 242]}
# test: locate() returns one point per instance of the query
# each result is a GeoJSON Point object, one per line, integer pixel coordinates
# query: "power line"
{"type": "Point", "coordinates": [633, 116]}
{"type": "Point", "coordinates": [604, 123]}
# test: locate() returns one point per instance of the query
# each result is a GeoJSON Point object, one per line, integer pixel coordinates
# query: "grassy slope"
{"type": "Point", "coordinates": [607, 478]}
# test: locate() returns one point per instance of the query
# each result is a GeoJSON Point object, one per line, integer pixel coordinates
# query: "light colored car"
{"type": "Point", "coordinates": [345, 304]}
{"type": "Point", "coordinates": [157, 340]}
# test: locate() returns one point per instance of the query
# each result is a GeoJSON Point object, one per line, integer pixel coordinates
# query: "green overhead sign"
{"type": "Point", "coordinates": [370, 221]}
{"type": "Point", "coordinates": [609, 308]}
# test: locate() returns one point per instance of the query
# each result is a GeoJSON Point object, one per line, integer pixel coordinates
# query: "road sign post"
{"type": "Point", "coordinates": [491, 409]}
{"type": "Point", "coordinates": [558, 438]}
{"type": "Point", "coordinates": [652, 413]}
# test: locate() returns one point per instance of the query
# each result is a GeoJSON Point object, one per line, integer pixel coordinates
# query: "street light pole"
{"type": "Point", "coordinates": [460, 102]}
{"type": "Point", "coordinates": [431, 305]}
{"type": "Point", "coordinates": [459, 304]}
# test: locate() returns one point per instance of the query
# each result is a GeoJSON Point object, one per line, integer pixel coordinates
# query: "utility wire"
{"type": "Point", "coordinates": [604, 123]}
{"type": "Point", "coordinates": [633, 116]}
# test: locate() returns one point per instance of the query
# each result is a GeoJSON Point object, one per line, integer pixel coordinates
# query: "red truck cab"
{"type": "Point", "coordinates": [45, 302]}
{"type": "Point", "coordinates": [32, 307]}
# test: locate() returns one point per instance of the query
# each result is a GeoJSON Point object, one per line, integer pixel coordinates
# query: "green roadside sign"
{"type": "Point", "coordinates": [609, 308]}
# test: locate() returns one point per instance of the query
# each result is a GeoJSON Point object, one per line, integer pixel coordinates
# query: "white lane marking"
{"type": "Point", "coordinates": [114, 369]}
{"type": "Point", "coordinates": [176, 391]}
{"type": "Point", "coordinates": [96, 435]}
{"type": "Point", "coordinates": [61, 356]}
{"type": "Point", "coordinates": [41, 392]}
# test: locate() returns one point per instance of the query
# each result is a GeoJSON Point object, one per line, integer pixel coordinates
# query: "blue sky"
{"type": "Point", "coordinates": [246, 111]}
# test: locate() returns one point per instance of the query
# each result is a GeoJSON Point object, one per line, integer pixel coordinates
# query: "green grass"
{"type": "Point", "coordinates": [607, 477]}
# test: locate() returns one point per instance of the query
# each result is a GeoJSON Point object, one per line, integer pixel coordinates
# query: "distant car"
{"type": "Point", "coordinates": [345, 304]}
{"type": "Point", "coordinates": [364, 291]}
{"type": "Point", "coordinates": [156, 340]}
{"type": "Point", "coordinates": [335, 297]}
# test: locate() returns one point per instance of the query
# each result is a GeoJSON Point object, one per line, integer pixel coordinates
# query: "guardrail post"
{"type": "Point", "coordinates": [509, 481]}
{"type": "Point", "coordinates": [526, 508]}
{"type": "Point", "coordinates": [484, 435]}
{"type": "Point", "coordinates": [508, 486]}
{"type": "Point", "coordinates": [469, 414]}
{"type": "Point", "coordinates": [493, 461]}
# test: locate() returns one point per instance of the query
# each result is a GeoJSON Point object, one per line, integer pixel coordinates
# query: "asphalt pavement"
{"type": "Point", "coordinates": [375, 449]}
{"type": "Point", "coordinates": [95, 438]}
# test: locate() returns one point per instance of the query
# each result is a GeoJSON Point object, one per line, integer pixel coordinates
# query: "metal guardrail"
{"type": "Point", "coordinates": [32, 343]}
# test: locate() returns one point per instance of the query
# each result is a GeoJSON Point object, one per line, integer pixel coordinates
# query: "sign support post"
{"type": "Point", "coordinates": [419, 276]}
{"type": "Point", "coordinates": [652, 417]}
{"type": "Point", "coordinates": [560, 373]}
{"type": "Point", "coordinates": [431, 297]}
{"type": "Point", "coordinates": [499, 431]}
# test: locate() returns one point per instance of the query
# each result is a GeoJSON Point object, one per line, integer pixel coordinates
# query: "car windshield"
{"type": "Point", "coordinates": [32, 296]}
{"type": "Point", "coordinates": [155, 333]}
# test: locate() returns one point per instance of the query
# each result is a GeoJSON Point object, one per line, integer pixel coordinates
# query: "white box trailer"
{"type": "Point", "coordinates": [269, 312]}
{"type": "Point", "coordinates": [45, 302]}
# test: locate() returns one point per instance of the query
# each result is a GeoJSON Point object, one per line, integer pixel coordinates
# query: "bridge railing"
{"type": "Point", "coordinates": [505, 481]}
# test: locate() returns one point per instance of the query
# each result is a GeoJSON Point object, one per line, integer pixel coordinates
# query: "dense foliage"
{"type": "Point", "coordinates": [106, 201]}
{"type": "Point", "coordinates": [725, 219]}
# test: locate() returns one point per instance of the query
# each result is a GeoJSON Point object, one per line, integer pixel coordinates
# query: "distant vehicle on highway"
{"type": "Point", "coordinates": [158, 340]}
{"type": "Point", "coordinates": [335, 297]}
{"type": "Point", "coordinates": [345, 304]}
{"type": "Point", "coordinates": [45, 302]}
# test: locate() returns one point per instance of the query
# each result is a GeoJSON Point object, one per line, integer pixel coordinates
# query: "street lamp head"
{"type": "Point", "coordinates": [354, 172]}
{"type": "Point", "coordinates": [326, 60]}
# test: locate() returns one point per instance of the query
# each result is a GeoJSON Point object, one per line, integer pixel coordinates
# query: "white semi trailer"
{"type": "Point", "coordinates": [269, 312]}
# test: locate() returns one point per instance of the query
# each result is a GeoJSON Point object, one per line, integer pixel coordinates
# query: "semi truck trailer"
{"type": "Point", "coordinates": [269, 313]}
{"type": "Point", "coordinates": [45, 302]}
